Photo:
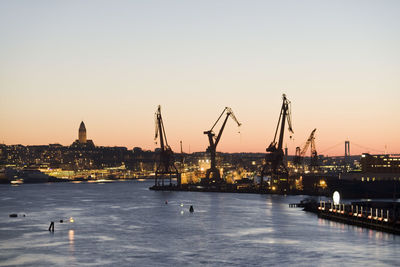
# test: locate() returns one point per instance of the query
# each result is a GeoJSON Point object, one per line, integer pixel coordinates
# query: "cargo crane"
{"type": "Point", "coordinates": [165, 166]}
{"type": "Point", "coordinates": [298, 159]}
{"type": "Point", "coordinates": [213, 175]}
{"type": "Point", "coordinates": [274, 166]}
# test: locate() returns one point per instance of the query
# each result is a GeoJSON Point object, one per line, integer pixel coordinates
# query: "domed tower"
{"type": "Point", "coordinates": [82, 133]}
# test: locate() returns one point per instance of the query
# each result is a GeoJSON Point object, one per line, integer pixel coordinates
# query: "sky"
{"type": "Point", "coordinates": [111, 63]}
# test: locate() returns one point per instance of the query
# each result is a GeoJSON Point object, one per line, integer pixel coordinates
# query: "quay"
{"type": "Point", "coordinates": [377, 215]}
{"type": "Point", "coordinates": [226, 188]}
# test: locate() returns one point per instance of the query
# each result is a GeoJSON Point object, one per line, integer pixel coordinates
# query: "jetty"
{"type": "Point", "coordinates": [378, 215]}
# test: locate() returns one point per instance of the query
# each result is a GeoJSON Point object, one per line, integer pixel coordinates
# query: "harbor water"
{"type": "Point", "coordinates": [125, 224]}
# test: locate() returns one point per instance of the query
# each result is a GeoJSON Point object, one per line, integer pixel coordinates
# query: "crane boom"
{"type": "Point", "coordinates": [160, 130]}
{"type": "Point", "coordinates": [285, 114]}
{"type": "Point", "coordinates": [229, 113]}
{"type": "Point", "coordinates": [311, 141]}
{"type": "Point", "coordinates": [301, 153]}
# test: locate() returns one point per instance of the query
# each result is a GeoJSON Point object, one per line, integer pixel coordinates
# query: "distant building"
{"type": "Point", "coordinates": [82, 141]}
{"type": "Point", "coordinates": [380, 163]}
{"type": "Point", "coordinates": [82, 133]}
{"type": "Point", "coordinates": [376, 168]}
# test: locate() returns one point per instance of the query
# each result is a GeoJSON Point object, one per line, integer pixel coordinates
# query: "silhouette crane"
{"type": "Point", "coordinates": [165, 165]}
{"type": "Point", "coordinates": [213, 174]}
{"type": "Point", "coordinates": [274, 166]}
{"type": "Point", "coordinates": [298, 159]}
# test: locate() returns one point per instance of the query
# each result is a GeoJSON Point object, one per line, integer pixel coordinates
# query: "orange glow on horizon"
{"type": "Point", "coordinates": [112, 71]}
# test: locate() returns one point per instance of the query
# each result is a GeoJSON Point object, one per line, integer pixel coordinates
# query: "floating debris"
{"type": "Point", "coordinates": [51, 227]}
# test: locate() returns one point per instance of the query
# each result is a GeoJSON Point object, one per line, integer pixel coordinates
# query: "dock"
{"type": "Point", "coordinates": [381, 216]}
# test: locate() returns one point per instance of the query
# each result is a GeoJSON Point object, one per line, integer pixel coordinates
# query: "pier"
{"type": "Point", "coordinates": [381, 216]}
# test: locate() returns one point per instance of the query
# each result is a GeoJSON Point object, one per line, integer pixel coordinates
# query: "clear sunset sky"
{"type": "Point", "coordinates": [110, 63]}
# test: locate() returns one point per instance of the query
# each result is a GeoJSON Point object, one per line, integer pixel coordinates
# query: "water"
{"type": "Point", "coordinates": [125, 224]}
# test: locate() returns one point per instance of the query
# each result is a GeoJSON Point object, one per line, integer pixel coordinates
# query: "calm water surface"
{"type": "Point", "coordinates": [125, 224]}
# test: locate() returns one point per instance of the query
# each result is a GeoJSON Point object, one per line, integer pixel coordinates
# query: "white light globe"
{"type": "Point", "coordinates": [336, 198]}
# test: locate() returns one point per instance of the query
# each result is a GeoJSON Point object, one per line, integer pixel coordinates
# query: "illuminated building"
{"type": "Point", "coordinates": [376, 168]}
{"type": "Point", "coordinates": [380, 163]}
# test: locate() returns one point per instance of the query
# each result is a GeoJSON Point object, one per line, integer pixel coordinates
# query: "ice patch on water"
{"type": "Point", "coordinates": [273, 240]}
{"type": "Point", "coordinates": [140, 248]}
{"type": "Point", "coordinates": [35, 259]}
{"type": "Point", "coordinates": [250, 231]}
{"type": "Point", "coordinates": [69, 209]}
{"type": "Point", "coordinates": [133, 227]}
{"type": "Point", "coordinates": [105, 238]}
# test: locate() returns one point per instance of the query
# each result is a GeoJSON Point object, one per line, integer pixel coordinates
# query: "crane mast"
{"type": "Point", "coordinates": [165, 166]}
{"type": "Point", "coordinates": [160, 131]}
{"type": "Point", "coordinates": [213, 175]}
{"type": "Point", "coordinates": [314, 156]}
{"type": "Point", "coordinates": [274, 167]}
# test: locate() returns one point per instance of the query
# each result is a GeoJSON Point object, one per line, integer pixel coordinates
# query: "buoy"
{"type": "Point", "coordinates": [51, 227]}
{"type": "Point", "coordinates": [61, 221]}
{"type": "Point", "coordinates": [191, 209]}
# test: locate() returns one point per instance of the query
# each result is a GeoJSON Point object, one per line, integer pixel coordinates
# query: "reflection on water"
{"type": "Point", "coordinates": [360, 231]}
{"type": "Point", "coordinates": [71, 235]}
{"type": "Point", "coordinates": [125, 224]}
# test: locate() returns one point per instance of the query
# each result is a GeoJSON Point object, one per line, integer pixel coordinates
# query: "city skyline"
{"type": "Point", "coordinates": [82, 141]}
{"type": "Point", "coordinates": [110, 65]}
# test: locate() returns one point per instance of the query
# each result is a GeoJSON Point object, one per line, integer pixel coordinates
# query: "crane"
{"type": "Point", "coordinates": [301, 153]}
{"type": "Point", "coordinates": [274, 165]}
{"type": "Point", "coordinates": [213, 173]}
{"type": "Point", "coordinates": [165, 166]}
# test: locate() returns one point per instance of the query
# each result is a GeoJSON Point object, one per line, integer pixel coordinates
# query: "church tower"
{"type": "Point", "coordinates": [82, 133]}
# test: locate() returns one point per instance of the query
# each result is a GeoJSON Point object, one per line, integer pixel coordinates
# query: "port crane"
{"type": "Point", "coordinates": [165, 165]}
{"type": "Point", "coordinates": [274, 166]}
{"type": "Point", "coordinates": [213, 175]}
{"type": "Point", "coordinates": [298, 159]}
